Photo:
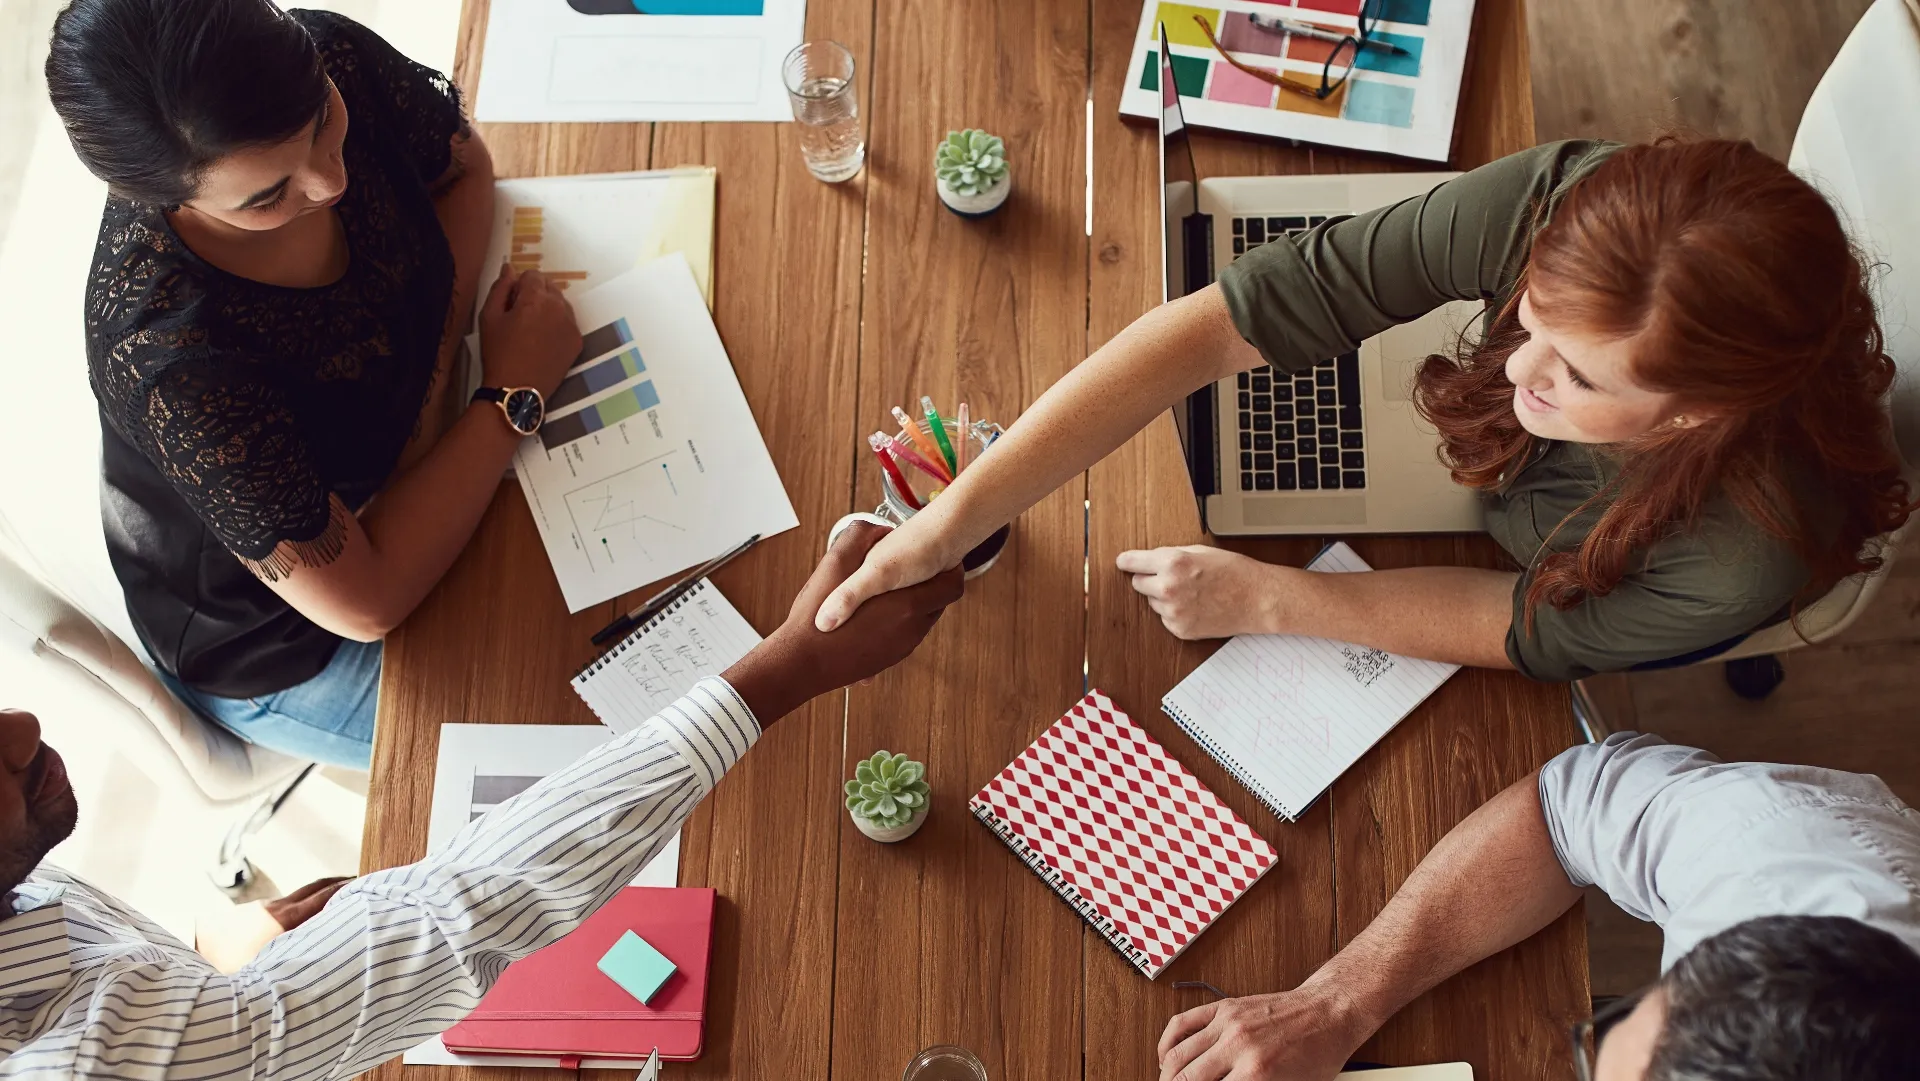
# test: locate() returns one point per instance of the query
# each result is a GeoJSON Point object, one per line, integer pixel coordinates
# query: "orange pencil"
{"type": "Point", "coordinates": [923, 442]}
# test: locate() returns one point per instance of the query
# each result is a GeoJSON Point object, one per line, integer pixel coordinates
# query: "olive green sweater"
{"type": "Point", "coordinates": [1318, 296]}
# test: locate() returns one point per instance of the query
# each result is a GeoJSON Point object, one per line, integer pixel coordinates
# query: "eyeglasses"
{"type": "Point", "coordinates": [1588, 1034]}
{"type": "Point", "coordinates": [1341, 58]}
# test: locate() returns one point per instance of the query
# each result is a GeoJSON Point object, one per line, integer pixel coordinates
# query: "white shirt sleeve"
{"type": "Point", "coordinates": [1676, 836]}
{"type": "Point", "coordinates": [402, 954]}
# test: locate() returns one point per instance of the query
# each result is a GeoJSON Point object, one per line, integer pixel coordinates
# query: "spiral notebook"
{"type": "Point", "coordinates": [1288, 715]}
{"type": "Point", "coordinates": [1123, 833]}
{"type": "Point", "coordinates": [699, 635]}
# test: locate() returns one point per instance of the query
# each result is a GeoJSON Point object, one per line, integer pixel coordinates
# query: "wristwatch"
{"type": "Point", "coordinates": [523, 407]}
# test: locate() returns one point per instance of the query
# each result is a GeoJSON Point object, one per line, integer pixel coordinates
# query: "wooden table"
{"type": "Point", "coordinates": [837, 957]}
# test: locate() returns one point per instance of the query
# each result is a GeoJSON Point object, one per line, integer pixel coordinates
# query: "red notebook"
{"type": "Point", "coordinates": [556, 1002]}
{"type": "Point", "coordinates": [1123, 833]}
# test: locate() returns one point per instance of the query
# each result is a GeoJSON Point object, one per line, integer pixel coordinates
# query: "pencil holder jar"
{"type": "Point", "coordinates": [897, 508]}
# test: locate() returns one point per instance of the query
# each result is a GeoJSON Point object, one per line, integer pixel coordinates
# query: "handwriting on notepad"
{"type": "Point", "coordinates": [1366, 665]}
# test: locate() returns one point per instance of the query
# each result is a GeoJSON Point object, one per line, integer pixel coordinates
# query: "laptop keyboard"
{"type": "Point", "coordinates": [1301, 432]}
{"type": "Point", "coordinates": [1250, 233]}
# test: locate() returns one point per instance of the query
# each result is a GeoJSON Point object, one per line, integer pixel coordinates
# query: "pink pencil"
{"type": "Point", "coordinates": [963, 443]}
{"type": "Point", "coordinates": [917, 460]}
{"type": "Point", "coordinates": [881, 446]}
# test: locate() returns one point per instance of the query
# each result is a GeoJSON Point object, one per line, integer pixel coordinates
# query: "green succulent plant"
{"type": "Point", "coordinates": [887, 789]}
{"type": "Point", "coordinates": [971, 161]}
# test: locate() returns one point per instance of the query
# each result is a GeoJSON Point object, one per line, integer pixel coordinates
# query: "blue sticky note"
{"type": "Point", "coordinates": [636, 966]}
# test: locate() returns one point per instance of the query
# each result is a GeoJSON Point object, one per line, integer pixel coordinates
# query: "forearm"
{"type": "Point", "coordinates": [420, 523]}
{"type": "Point", "coordinates": [1459, 615]}
{"type": "Point", "coordinates": [464, 205]}
{"type": "Point", "coordinates": [401, 954]}
{"type": "Point", "coordinates": [1151, 365]}
{"type": "Point", "coordinates": [1490, 883]}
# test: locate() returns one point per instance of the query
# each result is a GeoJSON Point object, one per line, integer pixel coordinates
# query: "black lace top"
{"type": "Point", "coordinates": [231, 409]}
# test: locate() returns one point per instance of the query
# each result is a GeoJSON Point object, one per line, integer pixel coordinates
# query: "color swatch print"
{"type": "Point", "coordinates": [1381, 89]}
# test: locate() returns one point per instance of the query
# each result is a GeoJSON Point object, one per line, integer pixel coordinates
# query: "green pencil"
{"type": "Point", "coordinates": [939, 432]}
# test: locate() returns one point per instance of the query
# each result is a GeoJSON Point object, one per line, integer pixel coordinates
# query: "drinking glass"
{"type": "Point", "coordinates": [945, 1062]}
{"type": "Point", "coordinates": [819, 77]}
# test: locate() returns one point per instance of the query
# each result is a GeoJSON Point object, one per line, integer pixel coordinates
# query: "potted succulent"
{"type": "Point", "coordinates": [970, 171]}
{"type": "Point", "coordinates": [888, 796]}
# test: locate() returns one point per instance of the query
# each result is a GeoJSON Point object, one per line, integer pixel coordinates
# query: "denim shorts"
{"type": "Point", "coordinates": [328, 719]}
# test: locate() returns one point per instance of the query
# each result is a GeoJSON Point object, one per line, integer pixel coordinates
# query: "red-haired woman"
{"type": "Point", "coordinates": [1676, 416]}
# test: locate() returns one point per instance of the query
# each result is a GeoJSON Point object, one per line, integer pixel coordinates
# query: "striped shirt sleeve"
{"type": "Point", "coordinates": [400, 955]}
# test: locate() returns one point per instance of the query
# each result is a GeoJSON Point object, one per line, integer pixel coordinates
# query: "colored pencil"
{"type": "Point", "coordinates": [920, 440]}
{"type": "Point", "coordinates": [904, 453]}
{"type": "Point", "coordinates": [882, 446]}
{"type": "Point", "coordinates": [939, 429]}
{"type": "Point", "coordinates": [964, 448]}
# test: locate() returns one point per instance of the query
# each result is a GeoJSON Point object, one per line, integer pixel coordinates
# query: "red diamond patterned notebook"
{"type": "Point", "coordinates": [1123, 833]}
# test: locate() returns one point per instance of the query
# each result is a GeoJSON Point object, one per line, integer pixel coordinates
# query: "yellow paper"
{"type": "Point", "coordinates": [684, 224]}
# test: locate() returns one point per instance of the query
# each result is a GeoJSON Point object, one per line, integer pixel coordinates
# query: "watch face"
{"type": "Point", "coordinates": [524, 410]}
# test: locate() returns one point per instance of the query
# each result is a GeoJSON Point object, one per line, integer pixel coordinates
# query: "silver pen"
{"type": "Point", "coordinates": [1273, 24]}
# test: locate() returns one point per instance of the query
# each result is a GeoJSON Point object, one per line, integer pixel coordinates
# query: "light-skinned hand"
{"type": "Point", "coordinates": [1301, 1035]}
{"type": "Point", "coordinates": [527, 334]}
{"type": "Point", "coordinates": [1202, 592]}
{"type": "Point", "coordinates": [799, 661]}
{"type": "Point", "coordinates": [909, 555]}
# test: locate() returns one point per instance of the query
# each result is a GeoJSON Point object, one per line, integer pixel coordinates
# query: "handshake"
{"type": "Point", "coordinates": [799, 662]}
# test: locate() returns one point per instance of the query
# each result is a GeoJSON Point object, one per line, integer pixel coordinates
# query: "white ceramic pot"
{"type": "Point", "coordinates": [897, 833]}
{"type": "Point", "coordinates": [975, 206]}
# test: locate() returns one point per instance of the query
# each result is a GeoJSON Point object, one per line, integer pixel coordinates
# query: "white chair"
{"type": "Point", "coordinates": [125, 703]}
{"type": "Point", "coordinates": [1857, 142]}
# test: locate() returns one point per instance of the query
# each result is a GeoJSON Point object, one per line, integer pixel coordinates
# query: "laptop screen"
{"type": "Point", "coordinates": [1178, 183]}
{"type": "Point", "coordinates": [1186, 263]}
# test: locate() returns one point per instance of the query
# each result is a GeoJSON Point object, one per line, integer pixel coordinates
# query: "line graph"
{"type": "Point", "coordinates": [622, 515]}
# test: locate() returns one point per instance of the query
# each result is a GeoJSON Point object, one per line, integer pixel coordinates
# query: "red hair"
{"type": "Point", "coordinates": [1745, 300]}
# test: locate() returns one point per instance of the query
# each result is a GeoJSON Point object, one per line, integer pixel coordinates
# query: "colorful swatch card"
{"type": "Point", "coordinates": [1396, 100]}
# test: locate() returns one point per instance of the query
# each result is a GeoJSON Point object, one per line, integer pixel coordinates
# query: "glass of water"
{"type": "Point", "coordinates": [945, 1062]}
{"type": "Point", "coordinates": [819, 76]}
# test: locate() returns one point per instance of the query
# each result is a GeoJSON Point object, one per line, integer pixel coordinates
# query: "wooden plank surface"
{"type": "Point", "coordinates": [1341, 862]}
{"type": "Point", "coordinates": [835, 955]}
{"type": "Point", "coordinates": [945, 938]}
{"type": "Point", "coordinates": [787, 263]}
{"type": "Point", "coordinates": [1732, 69]}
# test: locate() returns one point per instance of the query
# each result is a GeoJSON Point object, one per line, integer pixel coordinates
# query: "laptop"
{"type": "Point", "coordinates": [1335, 449]}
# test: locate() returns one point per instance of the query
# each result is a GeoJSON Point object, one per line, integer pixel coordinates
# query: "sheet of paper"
{"type": "Point", "coordinates": [434, 1053]}
{"type": "Point", "coordinates": [481, 766]}
{"type": "Point", "coordinates": [649, 461]}
{"type": "Point", "coordinates": [586, 230]}
{"type": "Point", "coordinates": [701, 635]}
{"type": "Point", "coordinates": [1392, 102]}
{"type": "Point", "coordinates": [596, 60]}
{"type": "Point", "coordinates": [1446, 1071]}
{"type": "Point", "coordinates": [1288, 715]}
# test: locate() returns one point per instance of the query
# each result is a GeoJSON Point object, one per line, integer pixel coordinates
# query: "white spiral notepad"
{"type": "Point", "coordinates": [699, 635]}
{"type": "Point", "coordinates": [1288, 715]}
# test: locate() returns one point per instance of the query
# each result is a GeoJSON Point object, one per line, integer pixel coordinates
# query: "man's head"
{"type": "Point", "coordinates": [37, 809]}
{"type": "Point", "coordinates": [1781, 998]}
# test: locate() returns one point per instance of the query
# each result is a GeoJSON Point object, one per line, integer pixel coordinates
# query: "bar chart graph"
{"type": "Point", "coordinates": [603, 414]}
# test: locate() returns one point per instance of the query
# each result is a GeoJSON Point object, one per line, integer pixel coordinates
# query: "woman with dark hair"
{"type": "Point", "coordinates": [286, 266]}
{"type": "Point", "coordinates": [1676, 412]}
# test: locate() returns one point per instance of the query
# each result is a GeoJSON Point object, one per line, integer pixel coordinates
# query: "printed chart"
{"type": "Point", "coordinates": [627, 510]}
{"type": "Point", "coordinates": [649, 460]}
{"type": "Point", "coordinates": [1399, 102]}
{"type": "Point", "coordinates": [668, 7]}
{"type": "Point", "coordinates": [628, 60]}
{"type": "Point", "coordinates": [527, 229]}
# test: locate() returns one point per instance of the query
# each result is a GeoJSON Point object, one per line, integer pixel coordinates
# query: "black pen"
{"type": "Point", "coordinates": [659, 601]}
